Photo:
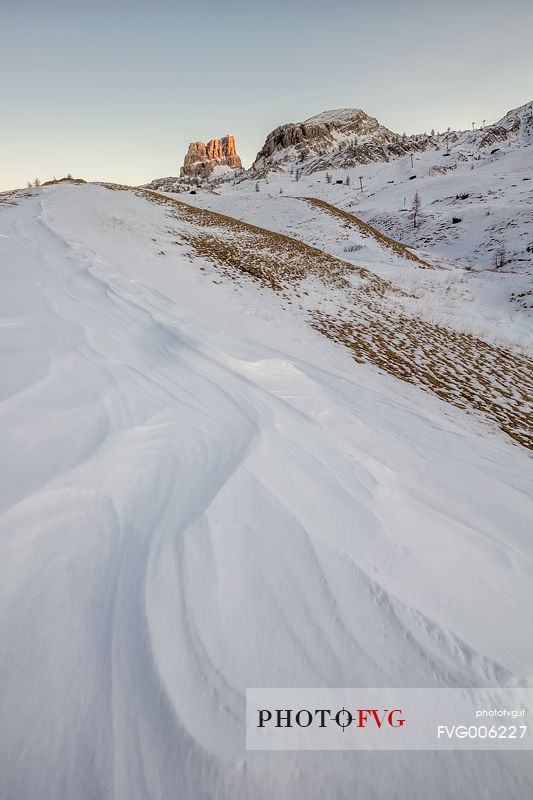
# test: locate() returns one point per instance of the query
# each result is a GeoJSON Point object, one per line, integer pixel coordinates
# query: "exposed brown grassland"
{"type": "Point", "coordinates": [11, 197]}
{"type": "Point", "coordinates": [457, 367]}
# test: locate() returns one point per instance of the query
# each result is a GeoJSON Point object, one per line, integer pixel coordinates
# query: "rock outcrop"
{"type": "Point", "coordinates": [340, 138]}
{"type": "Point", "coordinates": [516, 126]}
{"type": "Point", "coordinates": [201, 159]}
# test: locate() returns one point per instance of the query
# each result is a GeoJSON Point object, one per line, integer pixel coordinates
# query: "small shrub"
{"type": "Point", "coordinates": [353, 248]}
{"type": "Point", "coordinates": [500, 256]}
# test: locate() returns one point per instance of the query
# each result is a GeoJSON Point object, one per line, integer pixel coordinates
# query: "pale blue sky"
{"type": "Point", "coordinates": [115, 90]}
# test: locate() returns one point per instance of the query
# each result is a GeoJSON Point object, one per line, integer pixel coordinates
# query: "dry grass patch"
{"type": "Point", "coordinates": [12, 197]}
{"type": "Point", "coordinates": [275, 260]}
{"type": "Point", "coordinates": [457, 367]}
{"type": "Point", "coordinates": [77, 181]}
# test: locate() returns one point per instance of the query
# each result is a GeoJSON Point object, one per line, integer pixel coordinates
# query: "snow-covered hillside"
{"type": "Point", "coordinates": [487, 303]}
{"type": "Point", "coordinates": [202, 491]}
{"type": "Point", "coordinates": [475, 186]}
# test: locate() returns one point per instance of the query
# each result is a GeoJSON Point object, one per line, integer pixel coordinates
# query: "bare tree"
{"type": "Point", "coordinates": [36, 182]}
{"type": "Point", "coordinates": [500, 256]}
{"type": "Point", "coordinates": [416, 206]}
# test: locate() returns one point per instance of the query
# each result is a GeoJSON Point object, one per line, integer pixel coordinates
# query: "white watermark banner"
{"type": "Point", "coordinates": [389, 719]}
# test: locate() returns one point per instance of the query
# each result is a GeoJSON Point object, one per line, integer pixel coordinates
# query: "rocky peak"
{"type": "Point", "coordinates": [201, 159]}
{"type": "Point", "coordinates": [343, 135]}
{"type": "Point", "coordinates": [349, 121]}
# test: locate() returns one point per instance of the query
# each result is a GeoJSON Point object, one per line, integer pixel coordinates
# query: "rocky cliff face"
{"type": "Point", "coordinates": [201, 159]}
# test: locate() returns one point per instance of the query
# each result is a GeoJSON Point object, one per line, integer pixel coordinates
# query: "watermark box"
{"type": "Point", "coordinates": [389, 719]}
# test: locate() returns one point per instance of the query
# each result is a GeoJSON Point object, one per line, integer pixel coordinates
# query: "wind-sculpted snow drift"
{"type": "Point", "coordinates": [201, 493]}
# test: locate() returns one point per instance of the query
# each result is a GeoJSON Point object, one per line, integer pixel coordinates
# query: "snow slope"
{"type": "Point", "coordinates": [200, 493]}
{"type": "Point", "coordinates": [479, 178]}
{"type": "Point", "coordinates": [480, 302]}
{"type": "Point", "coordinates": [490, 195]}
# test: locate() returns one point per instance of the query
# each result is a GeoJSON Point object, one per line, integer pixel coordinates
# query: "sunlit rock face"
{"type": "Point", "coordinates": [201, 159]}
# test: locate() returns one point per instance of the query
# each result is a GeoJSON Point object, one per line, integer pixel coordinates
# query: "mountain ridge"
{"type": "Point", "coordinates": [338, 138]}
{"type": "Point", "coordinates": [476, 201]}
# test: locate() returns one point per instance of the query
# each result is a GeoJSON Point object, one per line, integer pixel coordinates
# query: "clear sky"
{"type": "Point", "coordinates": [115, 90]}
